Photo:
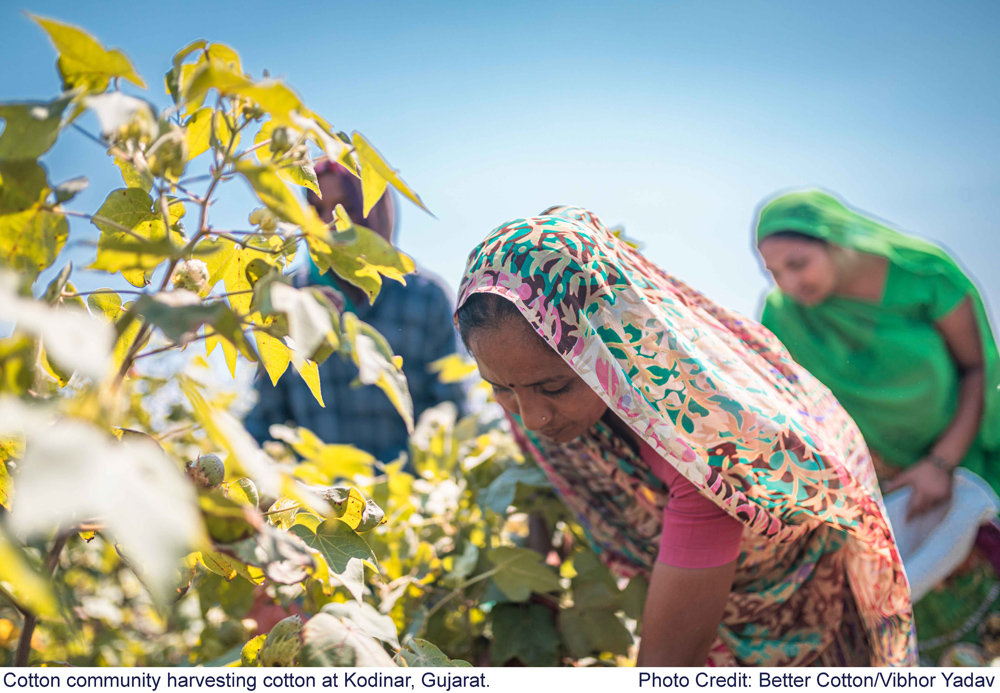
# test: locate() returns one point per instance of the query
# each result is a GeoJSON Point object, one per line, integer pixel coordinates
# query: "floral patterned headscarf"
{"type": "Point", "coordinates": [720, 399]}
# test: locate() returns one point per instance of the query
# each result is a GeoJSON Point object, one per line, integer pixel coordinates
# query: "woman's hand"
{"type": "Point", "coordinates": [682, 614]}
{"type": "Point", "coordinates": [930, 486]}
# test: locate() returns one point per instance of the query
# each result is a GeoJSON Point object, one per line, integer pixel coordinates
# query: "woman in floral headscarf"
{"type": "Point", "coordinates": [691, 450]}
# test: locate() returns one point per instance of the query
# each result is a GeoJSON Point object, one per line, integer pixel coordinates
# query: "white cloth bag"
{"type": "Point", "coordinates": [932, 545]}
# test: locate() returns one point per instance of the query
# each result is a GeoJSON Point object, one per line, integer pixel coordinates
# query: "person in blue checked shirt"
{"type": "Point", "coordinates": [416, 319]}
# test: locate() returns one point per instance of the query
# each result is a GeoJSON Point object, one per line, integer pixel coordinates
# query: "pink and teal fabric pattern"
{"type": "Point", "coordinates": [720, 399]}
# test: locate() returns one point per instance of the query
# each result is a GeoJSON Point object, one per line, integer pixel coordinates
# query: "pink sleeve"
{"type": "Point", "coordinates": [697, 533]}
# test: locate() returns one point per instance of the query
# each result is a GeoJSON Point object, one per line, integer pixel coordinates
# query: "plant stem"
{"type": "Point", "coordinates": [102, 220]}
{"type": "Point", "coordinates": [458, 590]}
{"type": "Point", "coordinates": [173, 346]}
{"type": "Point", "coordinates": [101, 291]}
{"type": "Point", "coordinates": [253, 148]}
{"type": "Point", "coordinates": [30, 618]}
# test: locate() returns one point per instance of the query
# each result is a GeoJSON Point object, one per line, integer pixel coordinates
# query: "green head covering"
{"type": "Point", "coordinates": [885, 360]}
{"type": "Point", "coordinates": [821, 215]}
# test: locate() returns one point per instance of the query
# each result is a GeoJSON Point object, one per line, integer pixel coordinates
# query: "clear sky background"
{"type": "Point", "coordinates": [672, 119]}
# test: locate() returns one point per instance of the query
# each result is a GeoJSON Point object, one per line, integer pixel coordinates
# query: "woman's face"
{"type": "Point", "coordinates": [532, 381]}
{"type": "Point", "coordinates": [803, 269]}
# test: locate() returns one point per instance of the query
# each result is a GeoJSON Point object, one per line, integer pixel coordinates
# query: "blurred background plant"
{"type": "Point", "coordinates": [141, 524]}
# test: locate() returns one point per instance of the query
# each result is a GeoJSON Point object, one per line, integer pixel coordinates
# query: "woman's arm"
{"type": "Point", "coordinates": [931, 477]}
{"type": "Point", "coordinates": [683, 610]}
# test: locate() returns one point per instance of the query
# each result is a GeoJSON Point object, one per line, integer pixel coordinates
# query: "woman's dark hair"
{"type": "Point", "coordinates": [484, 311]}
{"type": "Point", "coordinates": [795, 236]}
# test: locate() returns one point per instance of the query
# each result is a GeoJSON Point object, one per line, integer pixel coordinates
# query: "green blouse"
{"type": "Point", "coordinates": [885, 360]}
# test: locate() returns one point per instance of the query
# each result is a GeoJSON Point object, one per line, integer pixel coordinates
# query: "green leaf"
{"type": "Point", "coordinates": [376, 173]}
{"type": "Point", "coordinates": [525, 632]}
{"type": "Point", "coordinates": [377, 365]}
{"type": "Point", "coordinates": [328, 641]}
{"type": "Point", "coordinates": [367, 618]}
{"type": "Point", "coordinates": [521, 572]}
{"type": "Point", "coordinates": [344, 550]}
{"type": "Point", "coordinates": [462, 566]}
{"type": "Point", "coordinates": [634, 597]}
{"type": "Point", "coordinates": [304, 175]}
{"type": "Point", "coordinates": [420, 653]}
{"type": "Point", "coordinates": [588, 631]}
{"type": "Point", "coordinates": [83, 61]}
{"type": "Point", "coordinates": [284, 557]}
{"type": "Point", "coordinates": [134, 235]}
{"type": "Point", "coordinates": [31, 233]}
{"type": "Point", "coordinates": [362, 257]}
{"type": "Point", "coordinates": [53, 292]}
{"type": "Point", "coordinates": [67, 190]}
{"type": "Point", "coordinates": [179, 314]}
{"type": "Point", "coordinates": [30, 129]}
{"type": "Point", "coordinates": [500, 493]}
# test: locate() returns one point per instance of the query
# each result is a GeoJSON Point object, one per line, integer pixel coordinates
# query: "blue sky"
{"type": "Point", "coordinates": [673, 119]}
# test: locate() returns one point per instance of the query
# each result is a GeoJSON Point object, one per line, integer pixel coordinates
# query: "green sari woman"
{"type": "Point", "coordinates": [898, 332]}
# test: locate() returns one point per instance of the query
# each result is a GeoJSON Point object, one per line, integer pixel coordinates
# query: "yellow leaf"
{"type": "Point", "coordinates": [109, 305]}
{"type": "Point", "coordinates": [59, 375]}
{"type": "Point", "coordinates": [126, 340]}
{"type": "Point", "coordinates": [225, 55]}
{"type": "Point", "coordinates": [304, 175]}
{"type": "Point", "coordinates": [329, 461]}
{"type": "Point", "coordinates": [132, 177]}
{"type": "Point", "coordinates": [198, 131]}
{"type": "Point", "coordinates": [227, 262]}
{"type": "Point", "coordinates": [31, 234]}
{"type": "Point", "coordinates": [274, 193]}
{"type": "Point", "coordinates": [308, 520]}
{"type": "Point", "coordinates": [11, 446]}
{"type": "Point", "coordinates": [353, 508]}
{"type": "Point", "coordinates": [223, 133]}
{"type": "Point", "coordinates": [362, 257]}
{"type": "Point", "coordinates": [228, 350]}
{"type": "Point", "coordinates": [229, 567]}
{"type": "Point", "coordinates": [310, 373]}
{"type": "Point", "coordinates": [272, 96]}
{"type": "Point", "coordinates": [274, 354]}
{"type": "Point", "coordinates": [453, 368]}
{"type": "Point", "coordinates": [375, 173]}
{"type": "Point", "coordinates": [25, 584]}
{"type": "Point", "coordinates": [83, 61]}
